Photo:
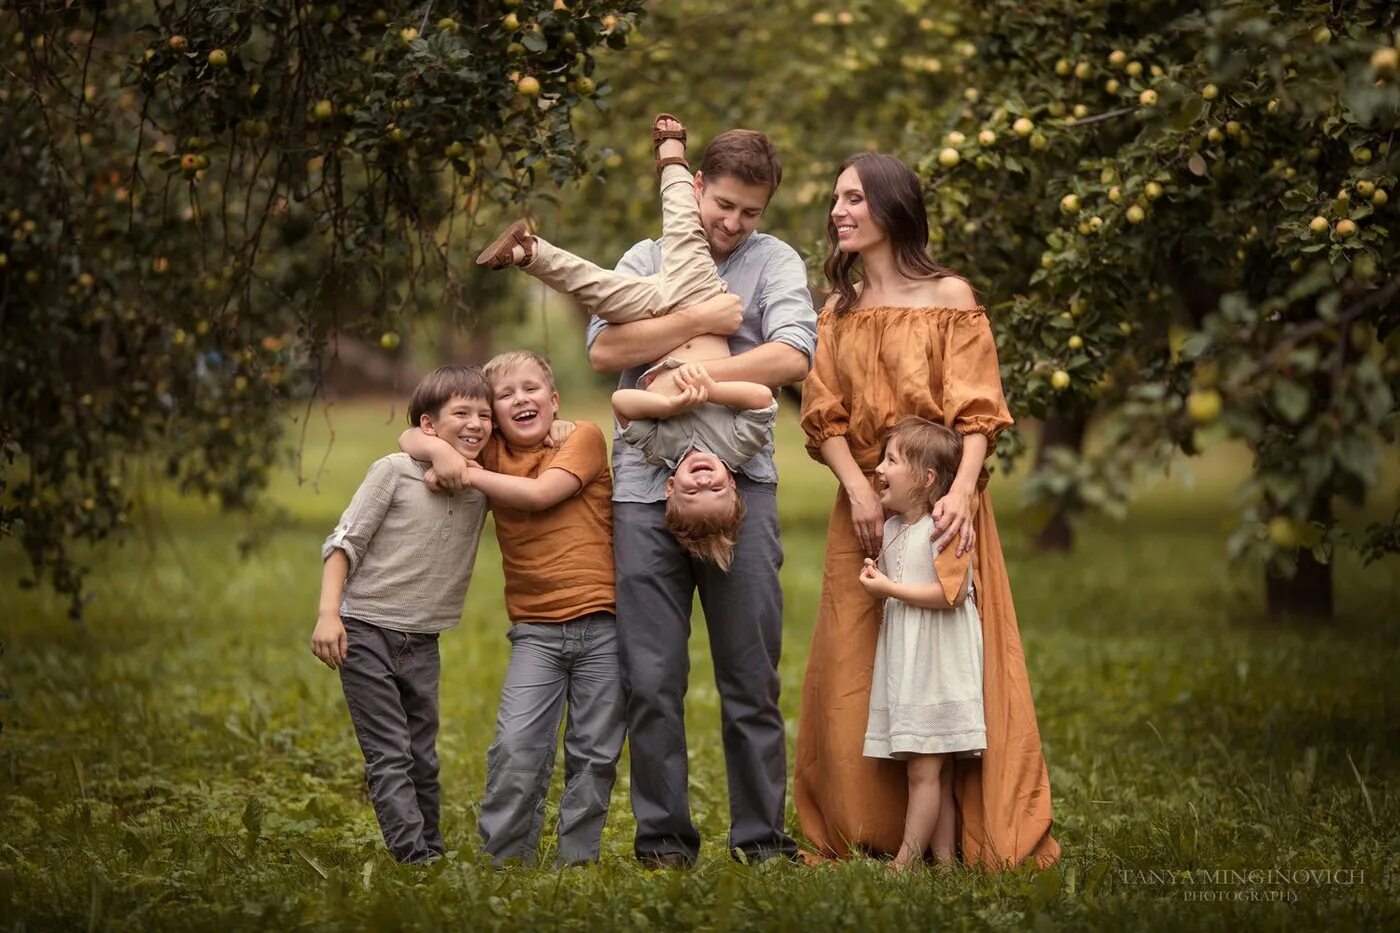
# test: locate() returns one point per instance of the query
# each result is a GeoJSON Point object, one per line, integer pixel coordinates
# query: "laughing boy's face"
{"type": "Point", "coordinates": [465, 423]}
{"type": "Point", "coordinates": [524, 404]}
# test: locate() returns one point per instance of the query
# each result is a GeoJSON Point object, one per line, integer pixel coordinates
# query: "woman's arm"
{"type": "Point", "coordinates": [867, 515]}
{"type": "Point", "coordinates": [545, 491]}
{"type": "Point", "coordinates": [952, 515]}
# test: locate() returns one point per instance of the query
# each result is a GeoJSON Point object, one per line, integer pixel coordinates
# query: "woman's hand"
{"type": "Point", "coordinates": [952, 520]}
{"type": "Point", "coordinates": [867, 515]}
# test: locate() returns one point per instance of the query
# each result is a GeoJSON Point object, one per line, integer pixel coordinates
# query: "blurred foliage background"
{"type": "Point", "coordinates": [1177, 214]}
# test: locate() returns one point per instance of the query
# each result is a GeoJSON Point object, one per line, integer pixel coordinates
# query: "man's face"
{"type": "Point", "coordinates": [465, 423]}
{"type": "Point", "coordinates": [524, 405]}
{"type": "Point", "coordinates": [729, 211]}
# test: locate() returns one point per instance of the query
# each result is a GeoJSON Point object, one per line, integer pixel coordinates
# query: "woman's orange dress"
{"type": "Point", "coordinates": [873, 366]}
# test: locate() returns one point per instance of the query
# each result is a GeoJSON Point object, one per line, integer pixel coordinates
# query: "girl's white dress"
{"type": "Point", "coordinates": [926, 692]}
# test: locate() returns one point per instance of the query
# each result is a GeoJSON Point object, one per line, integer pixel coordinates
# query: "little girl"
{"type": "Point", "coordinates": [926, 694]}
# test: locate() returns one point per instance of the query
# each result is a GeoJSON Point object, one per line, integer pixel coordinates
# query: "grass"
{"type": "Point", "coordinates": [179, 760]}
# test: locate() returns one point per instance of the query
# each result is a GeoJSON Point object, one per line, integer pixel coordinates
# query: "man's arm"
{"type": "Point", "coordinates": [536, 494]}
{"type": "Point", "coordinates": [769, 364]}
{"type": "Point", "coordinates": [622, 346]}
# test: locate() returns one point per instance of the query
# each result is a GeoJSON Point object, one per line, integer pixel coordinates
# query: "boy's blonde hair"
{"type": "Point", "coordinates": [514, 359]}
{"type": "Point", "coordinates": [707, 536]}
{"type": "Point", "coordinates": [927, 445]}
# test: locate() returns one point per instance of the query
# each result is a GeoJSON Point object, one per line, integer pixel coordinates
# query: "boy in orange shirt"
{"type": "Point", "coordinates": [553, 511]}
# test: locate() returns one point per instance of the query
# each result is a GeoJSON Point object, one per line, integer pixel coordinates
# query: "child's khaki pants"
{"type": "Point", "coordinates": [688, 274]}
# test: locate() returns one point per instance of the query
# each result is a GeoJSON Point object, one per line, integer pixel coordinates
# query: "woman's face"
{"type": "Point", "coordinates": [856, 229]}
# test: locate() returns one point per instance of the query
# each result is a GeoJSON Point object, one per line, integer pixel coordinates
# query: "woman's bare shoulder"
{"type": "Point", "coordinates": [951, 291]}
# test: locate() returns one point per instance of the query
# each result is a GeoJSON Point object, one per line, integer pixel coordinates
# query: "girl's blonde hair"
{"type": "Point", "coordinates": [927, 445]}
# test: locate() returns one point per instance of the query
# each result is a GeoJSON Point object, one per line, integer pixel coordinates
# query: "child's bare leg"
{"type": "Point", "coordinates": [945, 830]}
{"type": "Point", "coordinates": [921, 815]}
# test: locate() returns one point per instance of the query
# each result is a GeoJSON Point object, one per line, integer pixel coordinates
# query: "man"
{"type": "Point", "coordinates": [772, 342]}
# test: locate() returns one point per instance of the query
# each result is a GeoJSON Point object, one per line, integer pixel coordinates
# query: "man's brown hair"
{"type": "Point", "coordinates": [744, 155]}
{"type": "Point", "coordinates": [927, 445]}
{"type": "Point", "coordinates": [442, 385]}
{"type": "Point", "coordinates": [707, 536]}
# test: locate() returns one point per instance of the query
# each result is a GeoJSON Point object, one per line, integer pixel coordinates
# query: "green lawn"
{"type": "Point", "coordinates": [179, 760]}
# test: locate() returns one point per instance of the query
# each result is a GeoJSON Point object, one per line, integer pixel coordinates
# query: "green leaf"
{"type": "Point", "coordinates": [1291, 400]}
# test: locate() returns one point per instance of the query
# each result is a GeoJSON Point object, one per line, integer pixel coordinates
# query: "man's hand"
{"type": "Point", "coordinates": [328, 641]}
{"type": "Point", "coordinates": [722, 314]}
{"type": "Point", "coordinates": [874, 580]}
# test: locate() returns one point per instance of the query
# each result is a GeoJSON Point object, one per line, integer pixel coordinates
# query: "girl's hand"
{"type": "Point", "coordinates": [868, 517]}
{"type": "Point", "coordinates": [874, 580]}
{"type": "Point", "coordinates": [952, 519]}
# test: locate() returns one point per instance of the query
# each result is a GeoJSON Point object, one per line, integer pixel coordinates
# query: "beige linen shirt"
{"type": "Point", "coordinates": [411, 550]}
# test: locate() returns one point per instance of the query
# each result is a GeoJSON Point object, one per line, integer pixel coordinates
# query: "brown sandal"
{"type": "Point", "coordinates": [499, 254]}
{"type": "Point", "coordinates": [659, 135]}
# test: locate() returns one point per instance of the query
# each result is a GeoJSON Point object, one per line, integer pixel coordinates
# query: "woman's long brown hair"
{"type": "Point", "coordinates": [896, 202]}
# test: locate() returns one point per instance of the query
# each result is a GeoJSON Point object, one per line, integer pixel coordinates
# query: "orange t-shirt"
{"type": "Point", "coordinates": [559, 562]}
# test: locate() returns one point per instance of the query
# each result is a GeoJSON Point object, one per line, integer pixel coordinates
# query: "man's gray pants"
{"type": "Point", "coordinates": [552, 663]}
{"type": "Point", "coordinates": [656, 582]}
{"type": "Point", "coordinates": [390, 681]}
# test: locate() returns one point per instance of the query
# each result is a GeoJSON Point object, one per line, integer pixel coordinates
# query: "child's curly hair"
{"type": "Point", "coordinates": [927, 445]}
{"type": "Point", "coordinates": [708, 536]}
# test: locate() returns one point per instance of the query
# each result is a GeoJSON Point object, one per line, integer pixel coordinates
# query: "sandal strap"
{"type": "Point", "coordinates": [658, 134]}
{"type": "Point", "coordinates": [671, 160]}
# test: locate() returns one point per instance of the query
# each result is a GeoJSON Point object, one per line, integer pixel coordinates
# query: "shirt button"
{"type": "Point", "coordinates": [449, 511]}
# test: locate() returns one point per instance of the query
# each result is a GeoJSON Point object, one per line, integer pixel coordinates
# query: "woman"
{"type": "Point", "coordinates": [907, 338]}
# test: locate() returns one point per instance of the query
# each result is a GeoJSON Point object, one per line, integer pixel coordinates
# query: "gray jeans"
{"type": "Point", "coordinates": [656, 581]}
{"type": "Point", "coordinates": [551, 664]}
{"type": "Point", "coordinates": [391, 687]}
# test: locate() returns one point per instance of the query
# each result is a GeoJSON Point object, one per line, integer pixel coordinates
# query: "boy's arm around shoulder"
{"type": "Point", "coordinates": [577, 462]}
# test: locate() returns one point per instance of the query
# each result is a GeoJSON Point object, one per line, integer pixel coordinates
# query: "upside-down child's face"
{"type": "Point", "coordinates": [524, 404]}
{"type": "Point", "coordinates": [465, 423]}
{"type": "Point", "coordinates": [702, 484]}
{"type": "Point", "coordinates": [898, 482]}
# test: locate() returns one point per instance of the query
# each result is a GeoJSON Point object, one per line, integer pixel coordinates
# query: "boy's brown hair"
{"type": "Point", "coordinates": [442, 385]}
{"type": "Point", "coordinates": [927, 445]}
{"type": "Point", "coordinates": [707, 536]}
{"type": "Point", "coordinates": [745, 155]}
{"type": "Point", "coordinates": [513, 359]}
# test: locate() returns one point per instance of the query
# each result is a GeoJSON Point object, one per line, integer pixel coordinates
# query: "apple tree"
{"type": "Point", "coordinates": [1181, 215]}
{"type": "Point", "coordinates": [198, 195]}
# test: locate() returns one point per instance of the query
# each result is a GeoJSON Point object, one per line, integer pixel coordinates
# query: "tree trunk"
{"type": "Point", "coordinates": [1056, 431]}
{"type": "Point", "coordinates": [1308, 593]}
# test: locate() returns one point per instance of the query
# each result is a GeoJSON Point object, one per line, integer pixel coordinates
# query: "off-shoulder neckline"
{"type": "Point", "coordinates": [979, 309]}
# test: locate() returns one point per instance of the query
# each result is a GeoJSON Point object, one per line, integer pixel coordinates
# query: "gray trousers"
{"type": "Point", "coordinates": [656, 582]}
{"type": "Point", "coordinates": [390, 681]}
{"type": "Point", "coordinates": [551, 664]}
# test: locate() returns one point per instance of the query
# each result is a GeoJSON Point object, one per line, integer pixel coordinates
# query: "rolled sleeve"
{"type": "Point", "coordinates": [363, 516]}
{"type": "Point", "coordinates": [786, 303]}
